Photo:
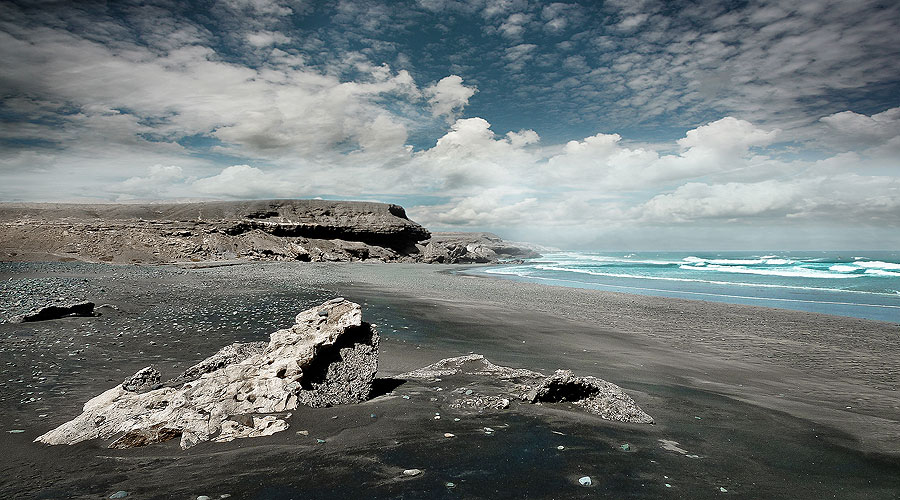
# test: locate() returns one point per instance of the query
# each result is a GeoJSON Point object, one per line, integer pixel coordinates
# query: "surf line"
{"type": "Point", "coordinates": [711, 294]}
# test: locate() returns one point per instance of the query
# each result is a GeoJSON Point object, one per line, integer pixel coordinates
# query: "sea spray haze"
{"type": "Point", "coordinates": [852, 283]}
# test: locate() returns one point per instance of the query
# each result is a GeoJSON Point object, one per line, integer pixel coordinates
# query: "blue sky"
{"type": "Point", "coordinates": [607, 125]}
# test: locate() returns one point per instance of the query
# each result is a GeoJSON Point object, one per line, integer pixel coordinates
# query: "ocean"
{"type": "Point", "coordinates": [853, 283]}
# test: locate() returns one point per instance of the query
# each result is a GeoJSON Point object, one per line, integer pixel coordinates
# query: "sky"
{"type": "Point", "coordinates": [617, 125]}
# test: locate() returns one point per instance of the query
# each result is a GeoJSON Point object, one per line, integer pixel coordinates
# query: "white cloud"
{"type": "Point", "coordinates": [244, 181]}
{"type": "Point", "coordinates": [449, 95]}
{"type": "Point", "coordinates": [854, 130]}
{"type": "Point", "coordinates": [266, 38]}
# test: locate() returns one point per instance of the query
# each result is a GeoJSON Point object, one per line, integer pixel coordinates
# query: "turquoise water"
{"type": "Point", "coordinates": [857, 284]}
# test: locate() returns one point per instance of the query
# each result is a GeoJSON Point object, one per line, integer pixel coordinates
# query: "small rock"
{"type": "Point", "coordinates": [488, 430]}
{"type": "Point", "coordinates": [668, 485]}
{"type": "Point", "coordinates": [437, 417]}
{"type": "Point", "coordinates": [449, 435]}
{"type": "Point", "coordinates": [119, 494]}
{"type": "Point", "coordinates": [625, 447]}
{"type": "Point", "coordinates": [320, 441]}
{"type": "Point", "coordinates": [722, 489]}
{"type": "Point", "coordinates": [16, 431]}
{"type": "Point", "coordinates": [303, 433]}
{"type": "Point", "coordinates": [405, 396]}
{"type": "Point", "coordinates": [450, 485]}
{"type": "Point", "coordinates": [560, 447]}
{"type": "Point", "coordinates": [372, 415]}
{"type": "Point", "coordinates": [412, 472]}
{"type": "Point", "coordinates": [203, 497]}
{"type": "Point", "coordinates": [468, 392]}
{"type": "Point", "coordinates": [585, 481]}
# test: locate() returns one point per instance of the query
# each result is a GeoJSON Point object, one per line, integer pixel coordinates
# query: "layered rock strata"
{"type": "Point", "coordinates": [307, 230]}
{"type": "Point", "coordinates": [328, 357]}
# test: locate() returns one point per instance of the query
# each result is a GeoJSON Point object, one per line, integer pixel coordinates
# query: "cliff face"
{"type": "Point", "coordinates": [266, 229]}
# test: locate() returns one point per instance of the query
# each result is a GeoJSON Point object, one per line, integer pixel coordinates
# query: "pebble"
{"type": "Point", "coordinates": [303, 433]}
{"type": "Point", "coordinates": [488, 430]}
{"type": "Point", "coordinates": [625, 447]}
{"type": "Point", "coordinates": [119, 494]}
{"type": "Point", "coordinates": [722, 489]}
{"type": "Point", "coordinates": [450, 485]}
{"type": "Point", "coordinates": [668, 485]}
{"type": "Point", "coordinates": [16, 431]}
{"type": "Point", "coordinates": [560, 447]}
{"type": "Point", "coordinates": [449, 435]}
{"type": "Point", "coordinates": [203, 497]}
{"type": "Point", "coordinates": [405, 396]}
{"type": "Point", "coordinates": [412, 472]}
{"type": "Point", "coordinates": [585, 481]}
{"type": "Point", "coordinates": [320, 441]}
{"type": "Point", "coordinates": [468, 392]}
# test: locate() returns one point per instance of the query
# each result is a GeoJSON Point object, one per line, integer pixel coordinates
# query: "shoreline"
{"type": "Point", "coordinates": [743, 387]}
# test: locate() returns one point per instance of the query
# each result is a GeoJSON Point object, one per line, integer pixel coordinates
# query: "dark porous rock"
{"type": "Point", "coordinates": [342, 373]}
{"type": "Point", "coordinates": [596, 396]}
{"type": "Point", "coordinates": [146, 378]}
{"type": "Point", "coordinates": [322, 360]}
{"type": "Point", "coordinates": [84, 308]}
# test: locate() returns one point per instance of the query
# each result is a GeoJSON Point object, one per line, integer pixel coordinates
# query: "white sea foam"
{"type": "Point", "coordinates": [881, 272]}
{"type": "Point", "coordinates": [772, 299]}
{"type": "Point", "coordinates": [793, 272]}
{"type": "Point", "coordinates": [843, 268]}
{"type": "Point", "coordinates": [693, 280]}
{"type": "Point", "coordinates": [877, 264]}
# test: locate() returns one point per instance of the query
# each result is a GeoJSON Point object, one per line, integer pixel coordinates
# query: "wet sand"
{"type": "Point", "coordinates": [757, 399]}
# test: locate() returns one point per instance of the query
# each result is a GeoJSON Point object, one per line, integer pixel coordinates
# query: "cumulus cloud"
{"type": "Point", "coordinates": [244, 181]}
{"type": "Point", "coordinates": [449, 95]}
{"type": "Point", "coordinates": [849, 129]}
{"type": "Point", "coordinates": [267, 38]}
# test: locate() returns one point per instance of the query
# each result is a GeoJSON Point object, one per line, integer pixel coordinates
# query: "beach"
{"type": "Point", "coordinates": [748, 402]}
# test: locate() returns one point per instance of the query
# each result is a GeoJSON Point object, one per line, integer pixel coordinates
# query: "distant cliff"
{"type": "Point", "coordinates": [305, 230]}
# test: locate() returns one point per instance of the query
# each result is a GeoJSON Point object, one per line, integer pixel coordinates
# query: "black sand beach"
{"type": "Point", "coordinates": [748, 402]}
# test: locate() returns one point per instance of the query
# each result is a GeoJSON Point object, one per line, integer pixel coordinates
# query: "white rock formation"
{"type": "Point", "coordinates": [296, 364]}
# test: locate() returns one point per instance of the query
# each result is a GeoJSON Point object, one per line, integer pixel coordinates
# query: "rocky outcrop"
{"type": "Point", "coordinates": [593, 395]}
{"type": "Point", "coordinates": [306, 230]}
{"type": "Point", "coordinates": [83, 308]}
{"type": "Point", "coordinates": [328, 357]}
{"type": "Point", "coordinates": [466, 248]}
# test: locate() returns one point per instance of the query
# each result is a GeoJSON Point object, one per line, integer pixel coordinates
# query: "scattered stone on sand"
{"type": "Point", "coordinates": [84, 308]}
{"type": "Point", "coordinates": [585, 481]}
{"type": "Point", "coordinates": [594, 395]}
{"type": "Point", "coordinates": [669, 445]}
{"type": "Point", "coordinates": [119, 494]}
{"type": "Point", "coordinates": [296, 367]}
{"type": "Point", "coordinates": [449, 435]}
{"type": "Point", "coordinates": [722, 489]}
{"type": "Point", "coordinates": [560, 447]}
{"type": "Point", "coordinates": [412, 472]}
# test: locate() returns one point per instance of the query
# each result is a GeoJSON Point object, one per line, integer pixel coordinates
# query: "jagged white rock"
{"type": "Point", "coordinates": [266, 382]}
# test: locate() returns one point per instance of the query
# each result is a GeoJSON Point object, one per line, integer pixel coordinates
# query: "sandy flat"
{"type": "Point", "coordinates": [760, 402]}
